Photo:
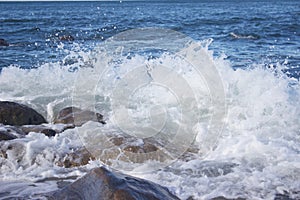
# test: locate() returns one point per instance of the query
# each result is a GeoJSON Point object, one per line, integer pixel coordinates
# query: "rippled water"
{"type": "Point", "coordinates": [247, 32]}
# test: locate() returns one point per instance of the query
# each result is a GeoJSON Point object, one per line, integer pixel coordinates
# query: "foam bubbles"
{"type": "Point", "coordinates": [257, 154]}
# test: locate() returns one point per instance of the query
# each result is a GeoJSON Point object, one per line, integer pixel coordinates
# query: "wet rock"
{"type": "Point", "coordinates": [77, 116]}
{"type": "Point", "coordinates": [103, 184]}
{"type": "Point", "coordinates": [224, 198]}
{"type": "Point", "coordinates": [38, 129]}
{"type": "Point", "coordinates": [10, 132]}
{"type": "Point", "coordinates": [75, 159]}
{"type": "Point", "coordinates": [131, 144]}
{"type": "Point", "coordinates": [191, 198]}
{"type": "Point", "coordinates": [126, 148]}
{"type": "Point", "coordinates": [285, 196]}
{"type": "Point", "coordinates": [145, 148]}
{"type": "Point", "coordinates": [4, 135]}
{"type": "Point", "coordinates": [13, 150]}
{"type": "Point", "coordinates": [118, 141]}
{"type": "Point", "coordinates": [3, 43]}
{"type": "Point", "coordinates": [12, 113]}
{"type": "Point", "coordinates": [66, 38]}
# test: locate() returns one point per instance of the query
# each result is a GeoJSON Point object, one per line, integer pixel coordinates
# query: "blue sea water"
{"type": "Point", "coordinates": [56, 59]}
{"type": "Point", "coordinates": [247, 32]}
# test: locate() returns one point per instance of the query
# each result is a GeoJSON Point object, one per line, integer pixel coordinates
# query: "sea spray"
{"type": "Point", "coordinates": [257, 154]}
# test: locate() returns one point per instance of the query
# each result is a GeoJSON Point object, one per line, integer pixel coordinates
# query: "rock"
{"type": "Point", "coordinates": [102, 184]}
{"type": "Point", "coordinates": [66, 38]}
{"type": "Point", "coordinates": [39, 129]}
{"type": "Point", "coordinates": [77, 116]}
{"type": "Point", "coordinates": [10, 132]}
{"type": "Point", "coordinates": [4, 135]}
{"type": "Point", "coordinates": [118, 141]}
{"type": "Point", "coordinates": [224, 198]}
{"type": "Point", "coordinates": [3, 43]}
{"type": "Point", "coordinates": [126, 148]}
{"type": "Point", "coordinates": [145, 148]}
{"type": "Point", "coordinates": [75, 159]}
{"type": "Point", "coordinates": [13, 150]}
{"type": "Point", "coordinates": [285, 196]}
{"type": "Point", "coordinates": [12, 113]}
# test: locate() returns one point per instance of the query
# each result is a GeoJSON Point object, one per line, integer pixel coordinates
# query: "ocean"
{"type": "Point", "coordinates": [214, 83]}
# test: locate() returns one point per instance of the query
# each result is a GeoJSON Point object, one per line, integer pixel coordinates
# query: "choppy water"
{"type": "Point", "coordinates": [254, 47]}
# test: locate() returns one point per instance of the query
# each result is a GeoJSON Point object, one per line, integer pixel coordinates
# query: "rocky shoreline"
{"type": "Point", "coordinates": [17, 121]}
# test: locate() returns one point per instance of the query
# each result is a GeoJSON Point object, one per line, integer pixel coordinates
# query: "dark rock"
{"type": "Point", "coordinates": [285, 196]}
{"type": "Point", "coordinates": [191, 198]}
{"type": "Point", "coordinates": [66, 38]}
{"type": "Point", "coordinates": [49, 132]}
{"type": "Point", "coordinates": [10, 132]}
{"type": "Point", "coordinates": [3, 43]}
{"type": "Point", "coordinates": [45, 129]}
{"type": "Point", "coordinates": [102, 184]}
{"type": "Point", "coordinates": [76, 116]}
{"type": "Point", "coordinates": [39, 129]}
{"type": "Point", "coordinates": [12, 113]}
{"type": "Point", "coordinates": [4, 135]}
{"type": "Point", "coordinates": [224, 198]}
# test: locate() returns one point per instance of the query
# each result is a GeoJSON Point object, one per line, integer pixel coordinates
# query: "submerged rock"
{"type": "Point", "coordinates": [75, 159]}
{"type": "Point", "coordinates": [77, 116]}
{"type": "Point", "coordinates": [46, 130]}
{"type": "Point", "coordinates": [3, 43]}
{"type": "Point", "coordinates": [285, 196]}
{"type": "Point", "coordinates": [13, 150]}
{"type": "Point", "coordinates": [126, 148]}
{"type": "Point", "coordinates": [39, 129]}
{"type": "Point", "coordinates": [224, 198]}
{"type": "Point", "coordinates": [102, 184]}
{"type": "Point", "coordinates": [12, 113]}
{"type": "Point", "coordinates": [66, 38]}
{"type": "Point", "coordinates": [10, 132]}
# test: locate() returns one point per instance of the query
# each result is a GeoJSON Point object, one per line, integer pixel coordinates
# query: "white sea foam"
{"type": "Point", "coordinates": [257, 154]}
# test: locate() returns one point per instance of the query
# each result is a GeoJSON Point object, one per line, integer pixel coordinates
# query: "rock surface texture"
{"type": "Point", "coordinates": [15, 114]}
{"type": "Point", "coordinates": [102, 184]}
{"type": "Point", "coordinates": [77, 116]}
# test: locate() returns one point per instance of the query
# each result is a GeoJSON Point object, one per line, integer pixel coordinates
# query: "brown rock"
{"type": "Point", "coordinates": [102, 184]}
{"type": "Point", "coordinates": [76, 116]}
{"type": "Point", "coordinates": [118, 141]}
{"type": "Point", "coordinates": [75, 159]}
{"type": "Point", "coordinates": [145, 148]}
{"type": "Point", "coordinates": [12, 113]}
{"type": "Point", "coordinates": [38, 129]}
